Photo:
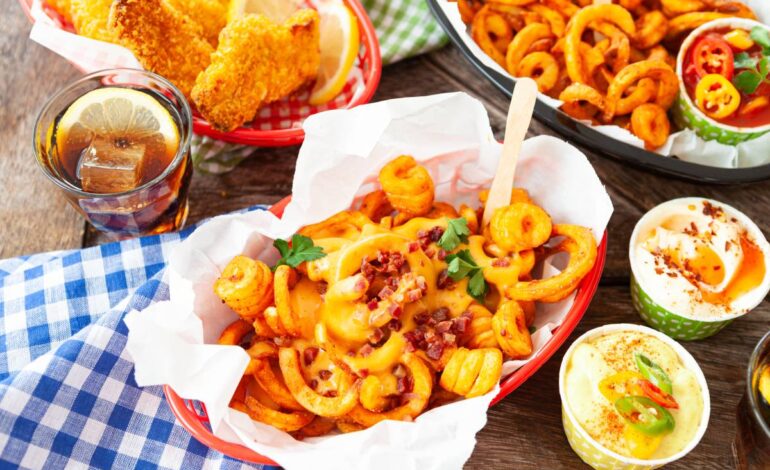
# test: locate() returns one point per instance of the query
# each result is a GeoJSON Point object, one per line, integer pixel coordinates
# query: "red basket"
{"type": "Point", "coordinates": [369, 61]}
{"type": "Point", "coordinates": [192, 415]}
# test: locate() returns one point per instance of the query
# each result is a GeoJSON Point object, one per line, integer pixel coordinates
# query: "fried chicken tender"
{"type": "Point", "coordinates": [257, 62]}
{"type": "Point", "coordinates": [89, 17]}
{"type": "Point", "coordinates": [211, 15]}
{"type": "Point", "coordinates": [164, 40]}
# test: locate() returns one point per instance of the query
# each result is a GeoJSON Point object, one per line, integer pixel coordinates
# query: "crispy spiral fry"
{"type": "Point", "coordinates": [408, 185]}
{"type": "Point", "coordinates": [581, 246]}
{"type": "Point", "coordinates": [651, 28]}
{"type": "Point", "coordinates": [246, 286]}
{"type": "Point", "coordinates": [667, 89]}
{"type": "Point", "coordinates": [650, 122]}
{"type": "Point", "coordinates": [541, 67]}
{"type": "Point", "coordinates": [363, 333]}
{"type": "Point", "coordinates": [524, 39]}
{"type": "Point", "coordinates": [473, 372]}
{"type": "Point", "coordinates": [582, 101]}
{"type": "Point", "coordinates": [520, 226]}
{"type": "Point", "coordinates": [510, 326]}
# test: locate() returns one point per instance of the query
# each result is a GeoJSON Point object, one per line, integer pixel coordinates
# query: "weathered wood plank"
{"type": "Point", "coordinates": [33, 214]}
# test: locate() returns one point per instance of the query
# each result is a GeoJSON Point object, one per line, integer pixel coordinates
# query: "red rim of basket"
{"type": "Point", "coordinates": [193, 416]}
{"type": "Point", "coordinates": [295, 136]}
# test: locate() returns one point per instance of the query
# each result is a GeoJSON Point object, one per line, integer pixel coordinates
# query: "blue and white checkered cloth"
{"type": "Point", "coordinates": [67, 393]}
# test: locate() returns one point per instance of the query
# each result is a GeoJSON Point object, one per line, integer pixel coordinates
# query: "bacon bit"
{"type": "Point", "coordinates": [413, 295]}
{"type": "Point", "coordinates": [440, 314]}
{"type": "Point", "coordinates": [449, 338]}
{"type": "Point", "coordinates": [385, 293]}
{"type": "Point", "coordinates": [501, 262]}
{"type": "Point", "coordinates": [372, 305]}
{"type": "Point", "coordinates": [280, 341]}
{"type": "Point", "coordinates": [376, 336]}
{"type": "Point", "coordinates": [430, 335]}
{"type": "Point", "coordinates": [429, 252]}
{"type": "Point", "coordinates": [394, 310]}
{"type": "Point", "coordinates": [503, 332]}
{"type": "Point", "coordinates": [392, 282]}
{"type": "Point", "coordinates": [441, 254]}
{"type": "Point", "coordinates": [435, 350]}
{"type": "Point", "coordinates": [366, 350]}
{"type": "Point", "coordinates": [399, 371]}
{"type": "Point", "coordinates": [410, 347]}
{"type": "Point", "coordinates": [421, 318]}
{"type": "Point", "coordinates": [394, 325]}
{"type": "Point", "coordinates": [313, 383]}
{"type": "Point", "coordinates": [330, 393]}
{"type": "Point", "coordinates": [435, 233]}
{"type": "Point", "coordinates": [444, 326]}
{"type": "Point", "coordinates": [324, 374]}
{"type": "Point", "coordinates": [404, 385]}
{"type": "Point", "coordinates": [350, 354]}
{"type": "Point", "coordinates": [309, 355]}
{"type": "Point", "coordinates": [422, 284]}
{"type": "Point", "coordinates": [461, 323]}
{"type": "Point", "coordinates": [444, 281]}
{"type": "Point", "coordinates": [413, 246]}
{"type": "Point", "coordinates": [363, 373]}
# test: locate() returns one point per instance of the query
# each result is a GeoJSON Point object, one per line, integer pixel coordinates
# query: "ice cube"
{"type": "Point", "coordinates": [107, 166]}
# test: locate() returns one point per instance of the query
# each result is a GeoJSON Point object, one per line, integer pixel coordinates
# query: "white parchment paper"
{"type": "Point", "coordinates": [341, 156]}
{"type": "Point", "coordinates": [685, 144]}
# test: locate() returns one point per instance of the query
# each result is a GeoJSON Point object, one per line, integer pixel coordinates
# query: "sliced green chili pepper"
{"type": "Point", "coordinates": [653, 373]}
{"type": "Point", "coordinates": [645, 415]}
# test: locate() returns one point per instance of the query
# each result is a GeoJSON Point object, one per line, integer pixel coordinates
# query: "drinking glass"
{"type": "Point", "coordinates": [156, 206]}
{"type": "Point", "coordinates": [751, 447]}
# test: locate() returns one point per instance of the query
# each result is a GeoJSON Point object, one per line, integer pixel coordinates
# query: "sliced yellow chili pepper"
{"type": "Point", "coordinates": [641, 445]}
{"type": "Point", "coordinates": [716, 96]}
{"type": "Point", "coordinates": [739, 39]}
{"type": "Point", "coordinates": [621, 384]}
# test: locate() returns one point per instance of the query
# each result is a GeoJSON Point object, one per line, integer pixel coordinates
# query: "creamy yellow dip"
{"type": "Point", "coordinates": [595, 359]}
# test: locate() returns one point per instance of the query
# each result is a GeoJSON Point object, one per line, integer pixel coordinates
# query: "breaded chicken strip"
{"type": "Point", "coordinates": [211, 15]}
{"type": "Point", "coordinates": [257, 62]}
{"type": "Point", "coordinates": [164, 40]}
{"type": "Point", "coordinates": [89, 17]}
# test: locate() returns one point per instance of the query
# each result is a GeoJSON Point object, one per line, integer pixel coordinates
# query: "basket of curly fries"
{"type": "Point", "coordinates": [252, 70]}
{"type": "Point", "coordinates": [607, 72]}
{"type": "Point", "coordinates": [371, 320]}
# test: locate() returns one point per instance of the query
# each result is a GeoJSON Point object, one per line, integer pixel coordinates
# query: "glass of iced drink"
{"type": "Point", "coordinates": [751, 447]}
{"type": "Point", "coordinates": [117, 142]}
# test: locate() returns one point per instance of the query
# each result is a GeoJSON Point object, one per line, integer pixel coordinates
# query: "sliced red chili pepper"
{"type": "Point", "coordinates": [666, 400]}
{"type": "Point", "coordinates": [712, 54]}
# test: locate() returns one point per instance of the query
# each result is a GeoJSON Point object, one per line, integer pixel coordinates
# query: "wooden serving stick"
{"type": "Point", "coordinates": [516, 125]}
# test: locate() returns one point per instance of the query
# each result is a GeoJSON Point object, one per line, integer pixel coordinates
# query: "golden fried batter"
{"type": "Point", "coordinates": [257, 62]}
{"type": "Point", "coordinates": [164, 40]}
{"type": "Point", "coordinates": [211, 15]}
{"type": "Point", "coordinates": [89, 17]}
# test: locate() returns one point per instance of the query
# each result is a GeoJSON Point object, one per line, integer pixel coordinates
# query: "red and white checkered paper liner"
{"type": "Point", "coordinates": [89, 55]}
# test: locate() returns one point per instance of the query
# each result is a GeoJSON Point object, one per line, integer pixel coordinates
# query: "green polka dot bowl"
{"type": "Point", "coordinates": [687, 115]}
{"type": "Point", "coordinates": [670, 315]}
{"type": "Point", "coordinates": [589, 449]}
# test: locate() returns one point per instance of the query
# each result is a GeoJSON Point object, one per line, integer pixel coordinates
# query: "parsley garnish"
{"type": "Point", "coordinates": [762, 37]}
{"type": "Point", "coordinates": [461, 265]}
{"type": "Point", "coordinates": [756, 69]}
{"type": "Point", "coordinates": [301, 250]}
{"type": "Point", "coordinates": [456, 232]}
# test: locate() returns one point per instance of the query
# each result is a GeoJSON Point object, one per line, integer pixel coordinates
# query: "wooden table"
{"type": "Point", "coordinates": [524, 430]}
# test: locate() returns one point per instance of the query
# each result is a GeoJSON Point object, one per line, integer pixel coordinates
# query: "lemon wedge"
{"type": "Point", "coordinates": [119, 114]}
{"type": "Point", "coordinates": [339, 48]}
{"type": "Point", "coordinates": [276, 10]}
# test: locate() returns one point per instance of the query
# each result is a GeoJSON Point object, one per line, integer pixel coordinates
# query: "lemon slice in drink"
{"type": "Point", "coordinates": [339, 48]}
{"type": "Point", "coordinates": [277, 10]}
{"type": "Point", "coordinates": [119, 114]}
